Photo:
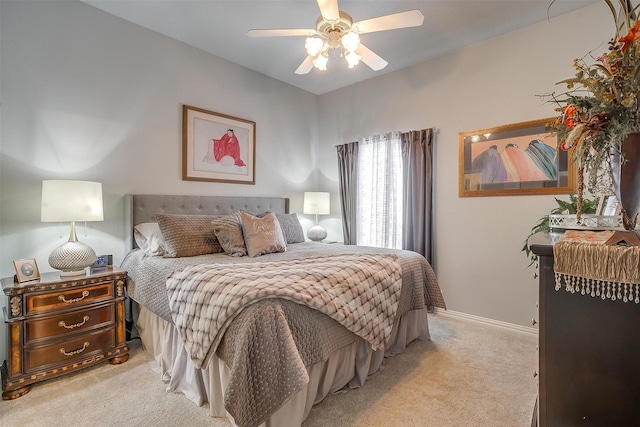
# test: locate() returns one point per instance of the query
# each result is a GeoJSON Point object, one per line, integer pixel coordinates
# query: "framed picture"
{"type": "Point", "coordinates": [516, 159]}
{"type": "Point", "coordinates": [217, 147]}
{"type": "Point", "coordinates": [26, 270]}
{"type": "Point", "coordinates": [608, 206]}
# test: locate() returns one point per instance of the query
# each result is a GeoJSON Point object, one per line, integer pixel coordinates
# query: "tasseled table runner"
{"type": "Point", "coordinates": [585, 265]}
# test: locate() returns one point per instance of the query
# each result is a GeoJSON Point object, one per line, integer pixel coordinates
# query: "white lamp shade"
{"type": "Point", "coordinates": [316, 203]}
{"type": "Point", "coordinates": [69, 201]}
{"type": "Point", "coordinates": [313, 45]}
{"type": "Point", "coordinates": [350, 41]}
{"type": "Point", "coordinates": [320, 62]}
{"type": "Point", "coordinates": [352, 59]}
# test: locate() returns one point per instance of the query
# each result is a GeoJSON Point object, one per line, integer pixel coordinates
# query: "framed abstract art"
{"type": "Point", "coordinates": [217, 147]}
{"type": "Point", "coordinates": [516, 159]}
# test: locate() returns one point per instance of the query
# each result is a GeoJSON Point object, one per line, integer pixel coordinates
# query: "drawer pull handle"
{"type": "Point", "coordinates": [68, 301]}
{"type": "Point", "coordinates": [78, 351]}
{"type": "Point", "coordinates": [63, 324]}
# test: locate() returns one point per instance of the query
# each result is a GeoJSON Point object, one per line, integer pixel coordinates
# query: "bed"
{"type": "Point", "coordinates": [259, 335]}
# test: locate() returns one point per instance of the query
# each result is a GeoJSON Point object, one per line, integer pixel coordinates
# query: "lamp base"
{"type": "Point", "coordinates": [72, 258]}
{"type": "Point", "coordinates": [317, 233]}
{"type": "Point", "coordinates": [82, 272]}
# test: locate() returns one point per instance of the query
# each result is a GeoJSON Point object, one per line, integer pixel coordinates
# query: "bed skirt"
{"type": "Point", "coordinates": [347, 367]}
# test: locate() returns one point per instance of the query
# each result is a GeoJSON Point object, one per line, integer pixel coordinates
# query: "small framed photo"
{"type": "Point", "coordinates": [608, 205]}
{"type": "Point", "coordinates": [26, 270]}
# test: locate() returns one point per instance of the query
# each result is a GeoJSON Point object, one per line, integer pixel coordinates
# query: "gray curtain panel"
{"type": "Point", "coordinates": [417, 162]}
{"type": "Point", "coordinates": [348, 179]}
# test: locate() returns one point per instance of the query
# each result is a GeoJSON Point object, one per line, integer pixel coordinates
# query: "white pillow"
{"type": "Point", "coordinates": [149, 238]}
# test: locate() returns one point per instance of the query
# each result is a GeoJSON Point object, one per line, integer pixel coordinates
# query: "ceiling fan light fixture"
{"type": "Point", "coordinates": [321, 61]}
{"type": "Point", "coordinates": [353, 59]}
{"type": "Point", "coordinates": [350, 41]}
{"type": "Point", "coordinates": [335, 30]}
{"type": "Point", "coordinates": [313, 45]}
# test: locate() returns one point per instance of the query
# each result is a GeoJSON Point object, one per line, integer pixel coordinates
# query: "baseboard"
{"type": "Point", "coordinates": [486, 321]}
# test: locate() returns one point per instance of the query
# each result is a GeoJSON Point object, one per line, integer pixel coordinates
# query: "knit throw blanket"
{"type": "Point", "coordinates": [585, 265]}
{"type": "Point", "coordinates": [361, 292]}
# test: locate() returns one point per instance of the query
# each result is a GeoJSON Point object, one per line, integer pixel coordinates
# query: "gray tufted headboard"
{"type": "Point", "coordinates": [141, 208]}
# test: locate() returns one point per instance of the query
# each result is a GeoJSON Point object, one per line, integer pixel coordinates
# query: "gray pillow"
{"type": "Point", "coordinates": [291, 228]}
{"type": "Point", "coordinates": [228, 229]}
{"type": "Point", "coordinates": [262, 235]}
{"type": "Point", "coordinates": [188, 235]}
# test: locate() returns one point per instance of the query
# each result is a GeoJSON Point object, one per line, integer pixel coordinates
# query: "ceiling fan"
{"type": "Point", "coordinates": [335, 29]}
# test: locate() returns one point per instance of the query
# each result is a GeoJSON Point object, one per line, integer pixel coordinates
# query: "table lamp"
{"type": "Point", "coordinates": [316, 203]}
{"type": "Point", "coordinates": [71, 201]}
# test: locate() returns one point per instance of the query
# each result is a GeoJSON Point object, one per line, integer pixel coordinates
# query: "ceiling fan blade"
{"type": "Point", "coordinates": [306, 65]}
{"type": "Point", "coordinates": [371, 58]}
{"type": "Point", "coordinates": [329, 10]}
{"type": "Point", "coordinates": [281, 32]}
{"type": "Point", "coordinates": [411, 18]}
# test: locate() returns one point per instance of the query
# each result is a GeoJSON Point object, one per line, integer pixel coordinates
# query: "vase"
{"type": "Point", "coordinates": [626, 179]}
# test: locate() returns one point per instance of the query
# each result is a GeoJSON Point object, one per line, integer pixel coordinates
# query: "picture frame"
{"type": "Point", "coordinates": [26, 270]}
{"type": "Point", "coordinates": [217, 147]}
{"type": "Point", "coordinates": [492, 162]}
{"type": "Point", "coordinates": [608, 205]}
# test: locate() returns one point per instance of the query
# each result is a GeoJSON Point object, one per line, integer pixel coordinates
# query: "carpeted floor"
{"type": "Point", "coordinates": [469, 374]}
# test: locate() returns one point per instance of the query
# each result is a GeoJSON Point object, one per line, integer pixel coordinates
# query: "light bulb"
{"type": "Point", "coordinates": [313, 45]}
{"type": "Point", "coordinates": [352, 59]}
{"type": "Point", "coordinates": [350, 41]}
{"type": "Point", "coordinates": [321, 61]}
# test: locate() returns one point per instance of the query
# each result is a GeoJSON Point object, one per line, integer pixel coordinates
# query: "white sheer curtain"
{"type": "Point", "coordinates": [380, 190]}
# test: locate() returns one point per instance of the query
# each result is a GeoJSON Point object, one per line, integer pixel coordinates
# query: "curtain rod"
{"type": "Point", "coordinates": [435, 132]}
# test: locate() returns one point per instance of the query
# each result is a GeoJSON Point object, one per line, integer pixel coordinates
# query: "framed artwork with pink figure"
{"type": "Point", "coordinates": [516, 159]}
{"type": "Point", "coordinates": [217, 147]}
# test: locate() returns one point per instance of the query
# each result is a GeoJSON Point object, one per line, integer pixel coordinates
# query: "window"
{"type": "Point", "coordinates": [379, 169]}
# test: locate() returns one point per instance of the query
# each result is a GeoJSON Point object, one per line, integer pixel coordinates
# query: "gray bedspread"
{"type": "Point", "coordinates": [301, 335]}
{"type": "Point", "coordinates": [148, 275]}
{"type": "Point", "coordinates": [359, 291]}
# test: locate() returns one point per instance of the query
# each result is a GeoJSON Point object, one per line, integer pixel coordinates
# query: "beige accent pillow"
{"type": "Point", "coordinates": [188, 235]}
{"type": "Point", "coordinates": [262, 235]}
{"type": "Point", "coordinates": [228, 229]}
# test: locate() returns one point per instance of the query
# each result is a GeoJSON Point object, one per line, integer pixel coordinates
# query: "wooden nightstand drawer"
{"type": "Point", "coordinates": [63, 352]}
{"type": "Point", "coordinates": [81, 320]}
{"type": "Point", "coordinates": [68, 298]}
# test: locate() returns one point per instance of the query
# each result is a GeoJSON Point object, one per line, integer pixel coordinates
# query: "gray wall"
{"type": "Point", "coordinates": [90, 96]}
{"type": "Point", "coordinates": [86, 95]}
{"type": "Point", "coordinates": [477, 240]}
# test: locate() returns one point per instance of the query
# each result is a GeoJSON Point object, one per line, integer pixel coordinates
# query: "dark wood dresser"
{"type": "Point", "coordinates": [589, 354]}
{"type": "Point", "coordinates": [57, 325]}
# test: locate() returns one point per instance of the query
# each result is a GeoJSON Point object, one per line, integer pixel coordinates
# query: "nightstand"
{"type": "Point", "coordinates": [57, 325]}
